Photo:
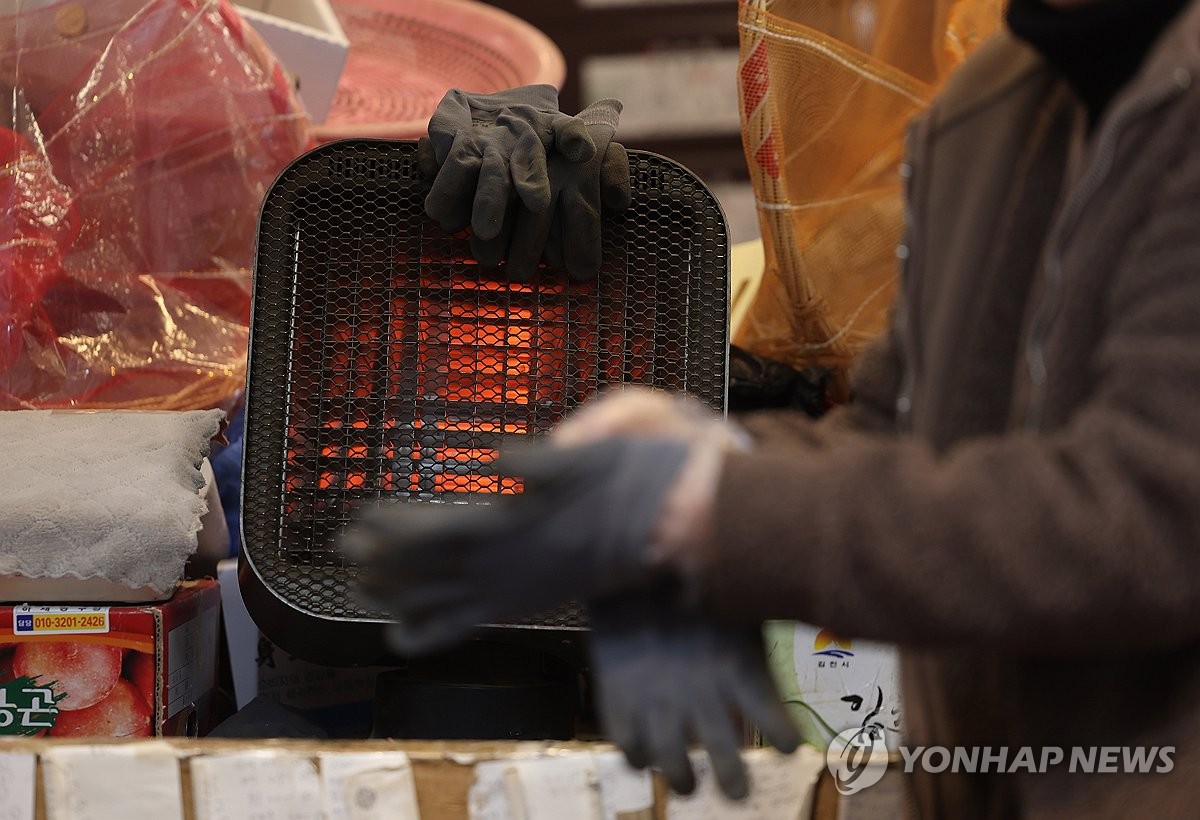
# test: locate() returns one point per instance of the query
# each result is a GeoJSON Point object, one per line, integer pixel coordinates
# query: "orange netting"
{"type": "Point", "coordinates": [827, 88]}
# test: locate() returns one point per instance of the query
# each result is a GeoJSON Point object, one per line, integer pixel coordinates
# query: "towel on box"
{"type": "Point", "coordinates": [102, 494]}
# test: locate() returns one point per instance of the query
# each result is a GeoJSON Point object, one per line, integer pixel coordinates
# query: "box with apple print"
{"type": "Point", "coordinates": [115, 671]}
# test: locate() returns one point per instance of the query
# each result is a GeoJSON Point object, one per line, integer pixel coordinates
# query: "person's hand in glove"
{"type": "Point", "coordinates": [684, 526]}
{"type": "Point", "coordinates": [666, 675]}
{"type": "Point", "coordinates": [484, 150]}
{"type": "Point", "coordinates": [579, 530]}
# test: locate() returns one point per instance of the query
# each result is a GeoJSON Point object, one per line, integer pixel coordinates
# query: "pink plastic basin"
{"type": "Point", "coordinates": [405, 54]}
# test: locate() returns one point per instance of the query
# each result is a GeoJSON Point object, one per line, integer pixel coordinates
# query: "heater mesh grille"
{"type": "Point", "coordinates": [385, 362]}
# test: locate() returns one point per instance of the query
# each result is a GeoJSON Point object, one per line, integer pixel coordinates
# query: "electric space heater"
{"type": "Point", "coordinates": [384, 362]}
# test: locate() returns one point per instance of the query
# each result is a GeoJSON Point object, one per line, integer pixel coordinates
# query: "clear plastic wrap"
{"type": "Point", "coordinates": [137, 139]}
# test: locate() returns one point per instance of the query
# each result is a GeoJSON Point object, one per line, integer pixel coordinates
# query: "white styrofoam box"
{"type": "Point", "coordinates": [670, 93]}
{"type": "Point", "coordinates": [240, 632]}
{"type": "Point", "coordinates": [308, 40]}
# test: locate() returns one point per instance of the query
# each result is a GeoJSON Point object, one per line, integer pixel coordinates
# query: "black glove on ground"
{"type": "Point", "coordinates": [667, 675]}
{"type": "Point", "coordinates": [579, 530]}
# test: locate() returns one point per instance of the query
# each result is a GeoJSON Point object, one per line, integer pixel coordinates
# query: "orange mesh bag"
{"type": "Point", "coordinates": [827, 88]}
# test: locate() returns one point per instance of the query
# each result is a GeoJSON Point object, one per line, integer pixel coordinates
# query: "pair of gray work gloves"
{"type": "Point", "coordinates": [530, 181]}
{"type": "Point", "coordinates": [667, 673]}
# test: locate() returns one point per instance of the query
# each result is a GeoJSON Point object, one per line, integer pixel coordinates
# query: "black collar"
{"type": "Point", "coordinates": [1099, 46]}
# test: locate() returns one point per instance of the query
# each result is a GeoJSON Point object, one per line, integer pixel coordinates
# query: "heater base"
{"type": "Point", "coordinates": [480, 692]}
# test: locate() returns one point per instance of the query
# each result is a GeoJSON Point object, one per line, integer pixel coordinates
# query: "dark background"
{"type": "Point", "coordinates": [646, 27]}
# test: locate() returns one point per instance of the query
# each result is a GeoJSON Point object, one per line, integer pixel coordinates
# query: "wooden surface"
{"type": "Point", "coordinates": [444, 771]}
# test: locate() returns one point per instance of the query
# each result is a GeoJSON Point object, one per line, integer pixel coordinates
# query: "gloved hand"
{"type": "Point", "coordinates": [684, 527]}
{"type": "Point", "coordinates": [568, 236]}
{"type": "Point", "coordinates": [666, 674]}
{"type": "Point", "coordinates": [579, 530]}
{"type": "Point", "coordinates": [485, 149]}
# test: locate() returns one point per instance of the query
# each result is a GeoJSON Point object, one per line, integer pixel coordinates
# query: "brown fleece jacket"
{"type": "Point", "coordinates": [1014, 494]}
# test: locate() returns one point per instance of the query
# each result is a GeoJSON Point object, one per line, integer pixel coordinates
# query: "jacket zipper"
{"type": "Point", "coordinates": [1047, 311]}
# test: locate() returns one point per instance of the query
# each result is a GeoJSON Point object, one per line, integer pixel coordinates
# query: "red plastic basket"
{"type": "Point", "coordinates": [405, 55]}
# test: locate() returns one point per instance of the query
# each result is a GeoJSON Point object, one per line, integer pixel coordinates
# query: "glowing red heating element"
{"type": "Point", "coordinates": [493, 355]}
{"type": "Point", "coordinates": [418, 386]}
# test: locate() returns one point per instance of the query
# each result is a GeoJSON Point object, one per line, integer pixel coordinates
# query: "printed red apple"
{"type": "Point", "coordinates": [139, 670]}
{"type": "Point", "coordinates": [122, 714]}
{"type": "Point", "coordinates": [7, 674]}
{"type": "Point", "coordinates": [84, 672]}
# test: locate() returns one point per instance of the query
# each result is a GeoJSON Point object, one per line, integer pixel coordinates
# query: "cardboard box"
{"type": "Point", "coordinates": [308, 40]}
{"type": "Point", "coordinates": [130, 671]}
{"type": "Point", "coordinates": [832, 684]}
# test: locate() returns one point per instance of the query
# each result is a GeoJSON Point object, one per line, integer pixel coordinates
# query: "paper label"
{"type": "Point", "coordinates": [488, 799]}
{"type": "Point", "coordinates": [256, 786]}
{"type": "Point", "coordinates": [191, 661]}
{"type": "Point", "coordinates": [553, 788]}
{"type": "Point", "coordinates": [781, 788]}
{"type": "Point", "coordinates": [625, 792]}
{"type": "Point", "coordinates": [112, 782]}
{"type": "Point", "coordinates": [369, 786]}
{"type": "Point", "coordinates": [580, 785]}
{"type": "Point", "coordinates": [18, 772]}
{"type": "Point", "coordinates": [60, 620]}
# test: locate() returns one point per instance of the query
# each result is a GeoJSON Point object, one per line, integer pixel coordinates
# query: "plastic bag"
{"type": "Point", "coordinates": [827, 89]}
{"type": "Point", "coordinates": [137, 139]}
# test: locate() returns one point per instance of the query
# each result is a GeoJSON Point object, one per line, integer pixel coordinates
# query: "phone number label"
{"type": "Point", "coordinates": [60, 620]}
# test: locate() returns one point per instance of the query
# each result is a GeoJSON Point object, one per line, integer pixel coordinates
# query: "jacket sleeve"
{"type": "Point", "coordinates": [1082, 539]}
{"type": "Point", "coordinates": [874, 386]}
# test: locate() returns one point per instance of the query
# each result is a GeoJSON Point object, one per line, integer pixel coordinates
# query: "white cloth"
{"type": "Point", "coordinates": [102, 494]}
